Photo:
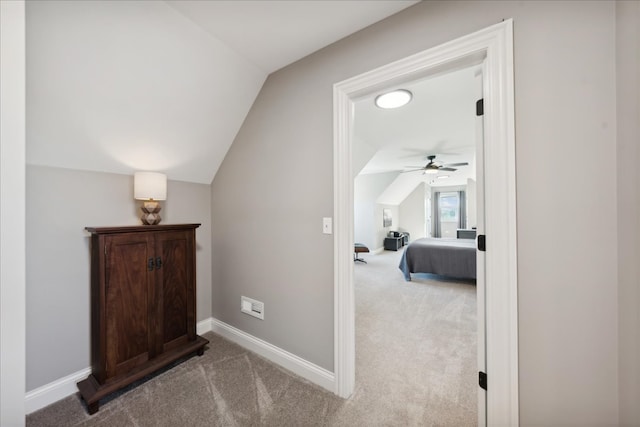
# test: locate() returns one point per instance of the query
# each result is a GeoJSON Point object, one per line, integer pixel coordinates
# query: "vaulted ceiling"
{"type": "Point", "coordinates": [120, 86]}
{"type": "Point", "coordinates": [440, 120]}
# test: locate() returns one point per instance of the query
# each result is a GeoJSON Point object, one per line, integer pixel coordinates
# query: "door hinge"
{"type": "Point", "coordinates": [480, 107]}
{"type": "Point", "coordinates": [482, 380]}
{"type": "Point", "coordinates": [482, 243]}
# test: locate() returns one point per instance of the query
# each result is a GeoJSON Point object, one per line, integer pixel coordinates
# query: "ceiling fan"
{"type": "Point", "coordinates": [433, 167]}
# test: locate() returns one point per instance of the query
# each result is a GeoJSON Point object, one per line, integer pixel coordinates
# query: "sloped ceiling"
{"type": "Point", "coordinates": [273, 34]}
{"type": "Point", "coordinates": [120, 86]}
{"type": "Point", "coordinates": [440, 120]}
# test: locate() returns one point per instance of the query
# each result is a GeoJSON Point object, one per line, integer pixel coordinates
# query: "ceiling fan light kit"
{"type": "Point", "coordinates": [432, 167]}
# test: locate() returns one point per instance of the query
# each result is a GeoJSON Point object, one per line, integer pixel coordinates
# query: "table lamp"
{"type": "Point", "coordinates": [150, 187]}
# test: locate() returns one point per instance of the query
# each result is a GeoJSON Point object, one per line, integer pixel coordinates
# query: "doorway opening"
{"type": "Point", "coordinates": [416, 340]}
{"type": "Point", "coordinates": [497, 310]}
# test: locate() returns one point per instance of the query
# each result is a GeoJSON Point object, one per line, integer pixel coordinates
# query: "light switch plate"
{"type": "Point", "coordinates": [327, 225]}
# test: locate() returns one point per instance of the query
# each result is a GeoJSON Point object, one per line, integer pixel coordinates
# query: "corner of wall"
{"type": "Point", "coordinates": [628, 208]}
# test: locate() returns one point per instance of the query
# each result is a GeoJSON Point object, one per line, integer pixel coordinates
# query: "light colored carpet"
{"type": "Point", "coordinates": [415, 357]}
{"type": "Point", "coordinates": [417, 341]}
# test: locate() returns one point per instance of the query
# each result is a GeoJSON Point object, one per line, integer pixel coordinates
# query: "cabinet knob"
{"type": "Point", "coordinates": [158, 263]}
{"type": "Point", "coordinates": [150, 264]}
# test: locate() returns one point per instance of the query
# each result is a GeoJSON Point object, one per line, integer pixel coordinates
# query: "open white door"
{"type": "Point", "coordinates": [480, 255]}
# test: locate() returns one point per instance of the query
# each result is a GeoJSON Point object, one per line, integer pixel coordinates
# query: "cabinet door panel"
{"type": "Point", "coordinates": [176, 288]}
{"type": "Point", "coordinates": [127, 300]}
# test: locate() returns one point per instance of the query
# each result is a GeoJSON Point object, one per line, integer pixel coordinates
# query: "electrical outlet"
{"type": "Point", "coordinates": [252, 307]}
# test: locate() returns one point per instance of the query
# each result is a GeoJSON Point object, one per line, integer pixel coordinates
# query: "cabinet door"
{"type": "Point", "coordinates": [176, 289]}
{"type": "Point", "coordinates": [128, 295]}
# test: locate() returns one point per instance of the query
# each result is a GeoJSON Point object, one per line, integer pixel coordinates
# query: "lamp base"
{"type": "Point", "coordinates": [150, 213]}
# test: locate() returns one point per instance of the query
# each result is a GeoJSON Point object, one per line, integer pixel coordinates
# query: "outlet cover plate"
{"type": "Point", "coordinates": [252, 307]}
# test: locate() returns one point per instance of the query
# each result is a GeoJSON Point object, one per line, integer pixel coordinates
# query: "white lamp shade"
{"type": "Point", "coordinates": [150, 185]}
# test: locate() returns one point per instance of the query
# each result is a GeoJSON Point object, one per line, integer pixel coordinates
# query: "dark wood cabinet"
{"type": "Point", "coordinates": [143, 304]}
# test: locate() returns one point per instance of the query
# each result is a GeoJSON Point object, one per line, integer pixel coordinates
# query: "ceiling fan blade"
{"type": "Point", "coordinates": [447, 169]}
{"type": "Point", "coordinates": [413, 170]}
{"type": "Point", "coordinates": [456, 164]}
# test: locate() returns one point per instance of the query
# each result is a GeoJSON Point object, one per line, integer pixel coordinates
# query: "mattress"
{"type": "Point", "coordinates": [447, 257]}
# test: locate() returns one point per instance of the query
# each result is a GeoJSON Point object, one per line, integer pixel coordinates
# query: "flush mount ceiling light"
{"type": "Point", "coordinates": [394, 99]}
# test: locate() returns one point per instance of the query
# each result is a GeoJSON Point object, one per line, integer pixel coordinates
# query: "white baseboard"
{"type": "Point", "coordinates": [289, 361]}
{"type": "Point", "coordinates": [63, 387]}
{"type": "Point", "coordinates": [205, 325]}
{"type": "Point", "coordinates": [54, 391]}
{"type": "Point", "coordinates": [66, 386]}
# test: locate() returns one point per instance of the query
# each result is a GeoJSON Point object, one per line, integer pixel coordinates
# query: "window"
{"type": "Point", "coordinates": [449, 207]}
{"type": "Point", "coordinates": [449, 211]}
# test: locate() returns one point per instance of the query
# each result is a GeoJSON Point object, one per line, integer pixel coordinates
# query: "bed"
{"type": "Point", "coordinates": [447, 257]}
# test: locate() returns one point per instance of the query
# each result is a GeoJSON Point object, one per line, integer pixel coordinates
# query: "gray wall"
{"type": "Point", "coordinates": [276, 184]}
{"type": "Point", "coordinates": [628, 158]}
{"type": "Point", "coordinates": [60, 203]}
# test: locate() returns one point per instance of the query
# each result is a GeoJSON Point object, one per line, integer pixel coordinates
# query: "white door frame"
{"type": "Point", "coordinates": [495, 45]}
{"type": "Point", "coordinates": [12, 212]}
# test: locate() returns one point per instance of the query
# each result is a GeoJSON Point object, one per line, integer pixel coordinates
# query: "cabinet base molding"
{"type": "Point", "coordinates": [92, 391]}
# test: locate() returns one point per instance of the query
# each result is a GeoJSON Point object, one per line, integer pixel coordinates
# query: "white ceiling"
{"type": "Point", "coordinates": [120, 86]}
{"type": "Point", "coordinates": [440, 120]}
{"type": "Point", "coordinates": [272, 34]}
